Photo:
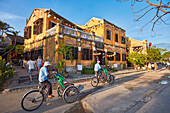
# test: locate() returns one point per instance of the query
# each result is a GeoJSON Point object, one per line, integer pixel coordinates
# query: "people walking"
{"type": "Point", "coordinates": [149, 66]}
{"type": "Point", "coordinates": [30, 67]}
{"type": "Point", "coordinates": [39, 63]}
{"type": "Point", "coordinates": [156, 66]}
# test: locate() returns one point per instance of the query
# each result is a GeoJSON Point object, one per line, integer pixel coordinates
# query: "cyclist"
{"type": "Point", "coordinates": [43, 78]}
{"type": "Point", "coordinates": [97, 67]}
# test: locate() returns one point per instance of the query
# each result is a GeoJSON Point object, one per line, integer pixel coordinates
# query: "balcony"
{"type": "Point", "coordinates": [73, 32]}
{"type": "Point", "coordinates": [70, 31]}
{"type": "Point", "coordinates": [98, 38]}
{"type": "Point", "coordinates": [51, 31]}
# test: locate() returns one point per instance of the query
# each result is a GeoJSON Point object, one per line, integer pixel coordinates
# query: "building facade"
{"type": "Point", "coordinates": [97, 39]}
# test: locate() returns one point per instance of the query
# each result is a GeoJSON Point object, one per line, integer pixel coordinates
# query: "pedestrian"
{"type": "Point", "coordinates": [149, 66]}
{"type": "Point", "coordinates": [152, 66]}
{"type": "Point", "coordinates": [97, 67]}
{"type": "Point", "coordinates": [156, 66]}
{"type": "Point", "coordinates": [43, 78]}
{"type": "Point", "coordinates": [30, 68]}
{"type": "Point", "coordinates": [39, 63]}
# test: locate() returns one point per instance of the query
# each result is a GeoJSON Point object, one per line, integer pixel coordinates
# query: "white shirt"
{"type": "Point", "coordinates": [31, 64]}
{"type": "Point", "coordinates": [39, 61]}
{"type": "Point", "coordinates": [43, 74]}
{"type": "Point", "coordinates": [97, 67]}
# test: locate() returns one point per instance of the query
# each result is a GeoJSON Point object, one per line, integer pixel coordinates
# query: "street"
{"type": "Point", "coordinates": [124, 94]}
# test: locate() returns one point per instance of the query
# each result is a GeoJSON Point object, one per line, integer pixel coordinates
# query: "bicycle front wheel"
{"type": "Point", "coordinates": [70, 94]}
{"type": "Point", "coordinates": [94, 81]}
{"type": "Point", "coordinates": [32, 100]}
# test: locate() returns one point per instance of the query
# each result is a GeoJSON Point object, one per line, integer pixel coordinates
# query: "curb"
{"type": "Point", "coordinates": [146, 99]}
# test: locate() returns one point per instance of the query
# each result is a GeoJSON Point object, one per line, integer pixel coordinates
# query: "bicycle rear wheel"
{"type": "Point", "coordinates": [70, 94]}
{"type": "Point", "coordinates": [94, 81]}
{"type": "Point", "coordinates": [32, 100]}
{"type": "Point", "coordinates": [111, 79]}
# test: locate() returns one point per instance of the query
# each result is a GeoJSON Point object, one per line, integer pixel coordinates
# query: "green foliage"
{"type": "Point", "coordinates": [6, 71]}
{"type": "Point", "coordinates": [8, 48]}
{"type": "Point", "coordinates": [166, 56]}
{"type": "Point", "coordinates": [66, 51]}
{"type": "Point", "coordinates": [19, 48]}
{"type": "Point", "coordinates": [137, 59]}
{"type": "Point", "coordinates": [155, 54]}
{"type": "Point", "coordinates": [88, 71]}
{"type": "Point", "coordinates": [113, 69]}
{"type": "Point", "coordinates": [107, 63]}
{"type": "Point", "coordinates": [60, 65]}
{"type": "Point", "coordinates": [16, 61]}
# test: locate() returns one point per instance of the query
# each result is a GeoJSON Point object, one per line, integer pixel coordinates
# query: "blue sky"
{"type": "Point", "coordinates": [15, 13]}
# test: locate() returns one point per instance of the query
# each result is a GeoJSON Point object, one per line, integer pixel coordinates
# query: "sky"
{"type": "Point", "coordinates": [15, 13]}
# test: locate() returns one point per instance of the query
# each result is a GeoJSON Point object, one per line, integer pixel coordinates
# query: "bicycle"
{"type": "Point", "coordinates": [33, 99]}
{"type": "Point", "coordinates": [102, 77]}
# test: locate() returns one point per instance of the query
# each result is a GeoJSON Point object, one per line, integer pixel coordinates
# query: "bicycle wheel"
{"type": "Point", "coordinates": [111, 79]}
{"type": "Point", "coordinates": [59, 92]}
{"type": "Point", "coordinates": [70, 94]}
{"type": "Point", "coordinates": [32, 100]}
{"type": "Point", "coordinates": [94, 81]}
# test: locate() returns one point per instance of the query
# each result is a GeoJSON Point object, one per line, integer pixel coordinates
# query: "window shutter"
{"type": "Point", "coordinates": [41, 26]}
{"type": "Point", "coordinates": [29, 32]}
{"type": "Point", "coordinates": [25, 34]}
{"type": "Point", "coordinates": [50, 25]}
{"type": "Point", "coordinates": [35, 30]}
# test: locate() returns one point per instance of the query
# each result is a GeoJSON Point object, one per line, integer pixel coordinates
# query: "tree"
{"type": "Point", "coordinates": [166, 56]}
{"type": "Point", "coordinates": [154, 54]}
{"type": "Point", "coordinates": [6, 28]}
{"type": "Point", "coordinates": [137, 59]}
{"type": "Point", "coordinates": [161, 8]}
{"type": "Point", "coordinates": [66, 51]}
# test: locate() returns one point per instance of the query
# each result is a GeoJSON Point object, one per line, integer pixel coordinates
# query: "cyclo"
{"type": "Point", "coordinates": [102, 77]}
{"type": "Point", "coordinates": [33, 99]}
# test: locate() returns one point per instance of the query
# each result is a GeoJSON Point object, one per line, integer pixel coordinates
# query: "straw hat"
{"type": "Point", "coordinates": [47, 63]}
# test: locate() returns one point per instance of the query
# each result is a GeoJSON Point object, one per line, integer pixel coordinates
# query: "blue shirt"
{"type": "Point", "coordinates": [97, 67]}
{"type": "Point", "coordinates": [43, 74]}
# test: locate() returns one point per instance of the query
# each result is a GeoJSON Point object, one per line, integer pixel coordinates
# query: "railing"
{"type": "Point", "coordinates": [98, 38]}
{"type": "Point", "coordinates": [51, 31]}
{"type": "Point", "coordinates": [85, 35]}
{"type": "Point", "coordinates": [70, 31]}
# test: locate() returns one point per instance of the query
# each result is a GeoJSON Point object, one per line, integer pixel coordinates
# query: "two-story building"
{"type": "Point", "coordinates": [97, 39]}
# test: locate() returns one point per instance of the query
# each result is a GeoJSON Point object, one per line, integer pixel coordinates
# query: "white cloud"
{"type": "Point", "coordinates": [7, 16]}
{"type": "Point", "coordinates": [163, 45]}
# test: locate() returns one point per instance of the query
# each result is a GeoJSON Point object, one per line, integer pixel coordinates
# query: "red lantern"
{"type": "Point", "coordinates": [150, 44]}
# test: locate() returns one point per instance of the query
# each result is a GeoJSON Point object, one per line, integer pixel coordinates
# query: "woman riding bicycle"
{"type": "Point", "coordinates": [43, 78]}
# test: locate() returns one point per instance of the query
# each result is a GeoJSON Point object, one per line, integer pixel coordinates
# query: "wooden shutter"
{"type": "Point", "coordinates": [41, 25]}
{"type": "Point", "coordinates": [35, 30]}
{"type": "Point", "coordinates": [26, 34]}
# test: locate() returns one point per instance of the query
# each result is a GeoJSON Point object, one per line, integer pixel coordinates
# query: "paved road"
{"type": "Point", "coordinates": [128, 90]}
{"type": "Point", "coordinates": [159, 104]}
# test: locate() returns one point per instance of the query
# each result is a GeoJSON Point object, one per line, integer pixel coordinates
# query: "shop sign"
{"type": "Point", "coordinates": [99, 45]}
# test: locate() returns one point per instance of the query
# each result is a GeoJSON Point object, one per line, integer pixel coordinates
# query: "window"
{"type": "Point", "coordinates": [123, 57]}
{"type": "Point", "coordinates": [117, 56]}
{"type": "Point", "coordinates": [74, 53]}
{"type": "Point", "coordinates": [123, 40]}
{"type": "Point", "coordinates": [108, 34]}
{"type": "Point", "coordinates": [116, 37]}
{"type": "Point", "coordinates": [110, 58]}
{"type": "Point", "coordinates": [38, 26]}
{"type": "Point", "coordinates": [87, 54]}
{"type": "Point", "coordinates": [51, 24]}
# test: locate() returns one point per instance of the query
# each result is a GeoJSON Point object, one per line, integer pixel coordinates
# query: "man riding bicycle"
{"type": "Point", "coordinates": [43, 78]}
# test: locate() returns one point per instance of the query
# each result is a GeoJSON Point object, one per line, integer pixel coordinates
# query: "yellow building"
{"type": "Point", "coordinates": [136, 45]}
{"type": "Point", "coordinates": [97, 39]}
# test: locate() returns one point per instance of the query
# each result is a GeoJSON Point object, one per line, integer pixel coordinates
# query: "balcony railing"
{"type": "Point", "coordinates": [98, 38]}
{"type": "Point", "coordinates": [51, 31]}
{"type": "Point", "coordinates": [74, 32]}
